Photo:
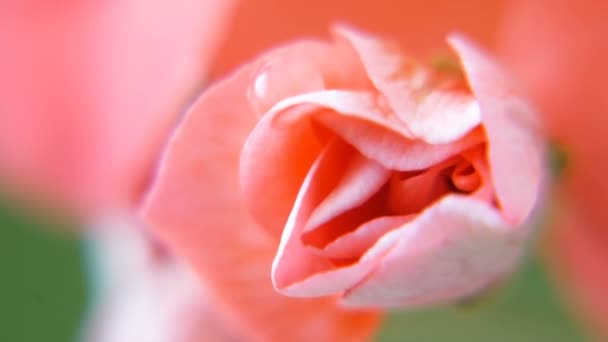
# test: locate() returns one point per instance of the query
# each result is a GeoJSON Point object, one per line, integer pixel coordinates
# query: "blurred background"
{"type": "Point", "coordinates": [89, 92]}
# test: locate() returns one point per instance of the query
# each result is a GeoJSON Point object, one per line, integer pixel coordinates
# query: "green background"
{"type": "Point", "coordinates": [43, 295]}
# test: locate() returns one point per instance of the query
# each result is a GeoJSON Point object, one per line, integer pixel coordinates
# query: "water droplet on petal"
{"type": "Point", "coordinates": [260, 85]}
{"type": "Point", "coordinates": [282, 78]}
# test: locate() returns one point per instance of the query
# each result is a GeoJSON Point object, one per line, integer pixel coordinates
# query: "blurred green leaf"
{"type": "Point", "coordinates": [42, 289]}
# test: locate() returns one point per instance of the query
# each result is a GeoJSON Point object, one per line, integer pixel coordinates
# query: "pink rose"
{"type": "Point", "coordinates": [348, 171]}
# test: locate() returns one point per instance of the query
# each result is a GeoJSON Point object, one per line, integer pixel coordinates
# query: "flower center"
{"type": "Point", "coordinates": [366, 200]}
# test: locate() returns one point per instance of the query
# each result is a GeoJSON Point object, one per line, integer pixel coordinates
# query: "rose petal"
{"type": "Point", "coordinates": [353, 245]}
{"type": "Point", "coordinates": [297, 270]}
{"type": "Point", "coordinates": [287, 152]}
{"type": "Point", "coordinates": [441, 117]}
{"type": "Point", "coordinates": [195, 205]}
{"type": "Point", "coordinates": [515, 145]}
{"type": "Point", "coordinates": [453, 249]}
{"type": "Point", "coordinates": [357, 118]}
{"type": "Point", "coordinates": [362, 178]}
{"type": "Point", "coordinates": [293, 261]}
{"type": "Point", "coordinates": [325, 281]}
{"type": "Point", "coordinates": [281, 157]}
{"type": "Point", "coordinates": [284, 143]}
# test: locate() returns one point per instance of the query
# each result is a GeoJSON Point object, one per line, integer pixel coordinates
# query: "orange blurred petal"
{"type": "Point", "coordinates": [561, 52]}
{"type": "Point", "coordinates": [562, 59]}
{"type": "Point", "coordinates": [419, 25]}
{"type": "Point", "coordinates": [578, 257]}
{"type": "Point", "coordinates": [88, 90]}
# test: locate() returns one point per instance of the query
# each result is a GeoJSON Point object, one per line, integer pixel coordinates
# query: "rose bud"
{"type": "Point", "coordinates": [348, 170]}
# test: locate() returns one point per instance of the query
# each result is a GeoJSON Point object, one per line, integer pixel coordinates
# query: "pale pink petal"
{"type": "Point", "coordinates": [345, 222]}
{"type": "Point", "coordinates": [453, 249]}
{"type": "Point", "coordinates": [284, 143]}
{"type": "Point", "coordinates": [330, 283]}
{"type": "Point", "coordinates": [441, 117]}
{"type": "Point", "coordinates": [362, 178]}
{"type": "Point", "coordinates": [515, 144]}
{"type": "Point", "coordinates": [358, 119]}
{"type": "Point", "coordinates": [293, 260]}
{"type": "Point", "coordinates": [298, 269]}
{"type": "Point", "coordinates": [445, 116]}
{"type": "Point", "coordinates": [195, 205]}
{"type": "Point", "coordinates": [353, 245]}
{"type": "Point", "coordinates": [392, 151]}
{"type": "Point", "coordinates": [282, 155]}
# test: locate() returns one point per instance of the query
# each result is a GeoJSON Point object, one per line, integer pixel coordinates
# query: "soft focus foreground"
{"type": "Point", "coordinates": [89, 91]}
{"type": "Point", "coordinates": [143, 293]}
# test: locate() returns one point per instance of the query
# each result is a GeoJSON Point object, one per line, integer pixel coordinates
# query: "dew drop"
{"type": "Point", "coordinates": [282, 78]}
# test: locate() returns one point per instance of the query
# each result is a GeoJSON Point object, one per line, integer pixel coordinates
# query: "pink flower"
{"type": "Point", "coordinates": [349, 172]}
